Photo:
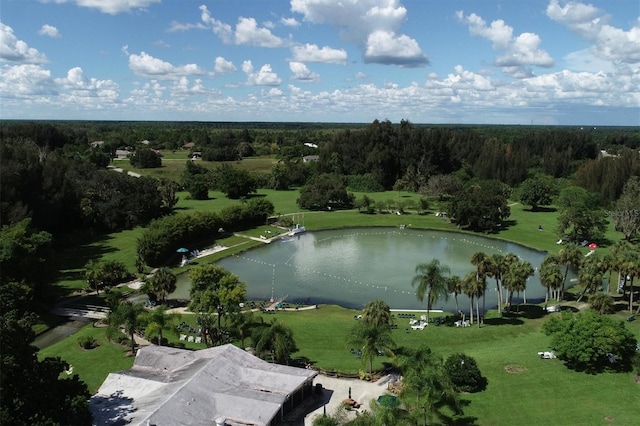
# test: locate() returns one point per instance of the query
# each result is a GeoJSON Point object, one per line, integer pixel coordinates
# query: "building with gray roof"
{"type": "Point", "coordinates": [222, 385]}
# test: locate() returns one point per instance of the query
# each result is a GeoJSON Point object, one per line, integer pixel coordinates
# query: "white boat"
{"type": "Point", "coordinates": [298, 230]}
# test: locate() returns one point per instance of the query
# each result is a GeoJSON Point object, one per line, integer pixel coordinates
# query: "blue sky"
{"type": "Point", "coordinates": [427, 61]}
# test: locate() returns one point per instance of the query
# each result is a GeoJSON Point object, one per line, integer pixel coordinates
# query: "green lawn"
{"type": "Point", "coordinates": [522, 388]}
{"type": "Point", "coordinates": [93, 365]}
{"type": "Point", "coordinates": [533, 391]}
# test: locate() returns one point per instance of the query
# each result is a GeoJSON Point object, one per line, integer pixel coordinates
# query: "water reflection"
{"type": "Point", "coordinates": [353, 267]}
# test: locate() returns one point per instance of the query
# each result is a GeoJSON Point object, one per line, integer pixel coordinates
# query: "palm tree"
{"type": "Point", "coordinates": [550, 275]}
{"type": "Point", "coordinates": [430, 279]}
{"type": "Point", "coordinates": [425, 387]}
{"type": "Point", "coordinates": [631, 265]}
{"type": "Point", "coordinates": [515, 279]}
{"type": "Point", "coordinates": [163, 283]}
{"type": "Point", "coordinates": [243, 322]}
{"type": "Point", "coordinates": [570, 256]}
{"type": "Point", "coordinates": [377, 313]}
{"type": "Point", "coordinates": [484, 268]}
{"type": "Point", "coordinates": [158, 320]}
{"type": "Point", "coordinates": [454, 286]}
{"type": "Point", "coordinates": [469, 286]}
{"type": "Point", "coordinates": [601, 302]}
{"type": "Point", "coordinates": [619, 252]}
{"type": "Point", "coordinates": [276, 340]}
{"type": "Point", "coordinates": [129, 315]}
{"type": "Point", "coordinates": [497, 270]}
{"type": "Point", "coordinates": [590, 278]}
{"type": "Point", "coordinates": [510, 259]}
{"type": "Point", "coordinates": [371, 340]}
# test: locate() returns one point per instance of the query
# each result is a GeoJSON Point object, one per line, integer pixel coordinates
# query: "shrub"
{"type": "Point", "coordinates": [87, 342]}
{"type": "Point", "coordinates": [464, 373]}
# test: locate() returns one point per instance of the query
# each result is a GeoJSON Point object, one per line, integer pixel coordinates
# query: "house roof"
{"type": "Point", "coordinates": [178, 386]}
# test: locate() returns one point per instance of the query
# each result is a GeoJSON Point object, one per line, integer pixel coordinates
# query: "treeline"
{"type": "Point", "coordinates": [163, 236]}
{"type": "Point", "coordinates": [64, 190]}
{"type": "Point", "coordinates": [413, 153]}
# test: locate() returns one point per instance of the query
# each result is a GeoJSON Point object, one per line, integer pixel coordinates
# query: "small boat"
{"type": "Point", "coordinates": [298, 230]}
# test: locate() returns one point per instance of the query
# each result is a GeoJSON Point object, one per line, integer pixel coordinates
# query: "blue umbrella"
{"type": "Point", "coordinates": [183, 250]}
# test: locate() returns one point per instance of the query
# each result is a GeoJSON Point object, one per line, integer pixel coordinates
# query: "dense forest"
{"type": "Point", "coordinates": [55, 172]}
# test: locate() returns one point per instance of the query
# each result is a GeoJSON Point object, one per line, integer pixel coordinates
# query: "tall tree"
{"type": "Point", "coordinates": [498, 267]}
{"type": "Point", "coordinates": [426, 388]}
{"type": "Point", "coordinates": [570, 257]}
{"type": "Point", "coordinates": [538, 191]}
{"type": "Point", "coordinates": [158, 321]}
{"type": "Point", "coordinates": [470, 286]}
{"type": "Point", "coordinates": [601, 302]}
{"type": "Point", "coordinates": [430, 280]}
{"type": "Point", "coordinates": [32, 390]}
{"type": "Point", "coordinates": [626, 213]}
{"type": "Point", "coordinates": [162, 284]}
{"type": "Point", "coordinates": [580, 219]}
{"type": "Point", "coordinates": [132, 316]}
{"type": "Point", "coordinates": [371, 339]}
{"type": "Point", "coordinates": [484, 267]}
{"type": "Point", "coordinates": [377, 313]}
{"type": "Point", "coordinates": [454, 286]}
{"type": "Point", "coordinates": [215, 290]}
{"type": "Point", "coordinates": [276, 341]}
{"type": "Point", "coordinates": [515, 279]}
{"type": "Point", "coordinates": [590, 275]}
{"type": "Point", "coordinates": [550, 275]}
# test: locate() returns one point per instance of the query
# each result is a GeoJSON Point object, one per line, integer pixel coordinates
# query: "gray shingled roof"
{"type": "Point", "coordinates": [168, 386]}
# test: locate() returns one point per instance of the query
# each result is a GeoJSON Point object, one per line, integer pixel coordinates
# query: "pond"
{"type": "Point", "coordinates": [353, 267]}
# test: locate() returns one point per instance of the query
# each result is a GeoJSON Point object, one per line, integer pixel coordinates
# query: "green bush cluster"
{"type": "Point", "coordinates": [87, 342]}
{"type": "Point", "coordinates": [163, 236]}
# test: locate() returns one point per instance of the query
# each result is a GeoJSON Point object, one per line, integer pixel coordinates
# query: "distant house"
{"type": "Point", "coordinates": [223, 384]}
{"type": "Point", "coordinates": [189, 145]}
{"type": "Point", "coordinates": [310, 145]}
{"type": "Point", "coordinates": [604, 154]}
{"type": "Point", "coordinates": [310, 158]}
{"type": "Point", "coordinates": [96, 144]}
{"type": "Point", "coordinates": [122, 154]}
{"type": "Point", "coordinates": [145, 142]}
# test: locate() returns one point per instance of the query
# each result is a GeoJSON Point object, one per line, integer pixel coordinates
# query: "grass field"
{"type": "Point", "coordinates": [522, 388]}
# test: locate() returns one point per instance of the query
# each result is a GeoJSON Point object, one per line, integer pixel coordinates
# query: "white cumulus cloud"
{"type": "Point", "coordinates": [248, 32]}
{"type": "Point", "coordinates": [25, 80]}
{"type": "Point", "coordinates": [302, 73]}
{"type": "Point", "coordinates": [112, 7]}
{"type": "Point", "coordinates": [366, 23]}
{"type": "Point", "coordinates": [264, 77]}
{"type": "Point", "coordinates": [49, 31]}
{"type": "Point", "coordinates": [313, 53]}
{"type": "Point", "coordinates": [520, 52]}
{"type": "Point", "coordinates": [592, 24]}
{"type": "Point", "coordinates": [14, 50]}
{"type": "Point", "coordinates": [222, 66]}
{"type": "Point", "coordinates": [78, 86]}
{"type": "Point", "coordinates": [387, 47]}
{"type": "Point", "coordinates": [146, 65]}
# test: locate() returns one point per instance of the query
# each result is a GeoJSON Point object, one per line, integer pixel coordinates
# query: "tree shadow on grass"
{"type": "Point", "coordinates": [459, 419]}
{"type": "Point", "coordinates": [541, 209]}
{"type": "Point", "coordinates": [505, 320]}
